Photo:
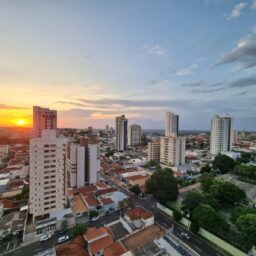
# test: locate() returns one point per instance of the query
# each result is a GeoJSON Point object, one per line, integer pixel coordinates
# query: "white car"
{"type": "Point", "coordinates": [62, 239]}
{"type": "Point", "coordinates": [45, 238]}
{"type": "Point", "coordinates": [186, 235]}
{"type": "Point", "coordinates": [95, 218]}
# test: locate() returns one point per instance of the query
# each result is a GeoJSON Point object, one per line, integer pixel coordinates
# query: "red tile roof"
{"type": "Point", "coordinates": [139, 213]}
{"type": "Point", "coordinates": [105, 191]}
{"type": "Point", "coordinates": [116, 249]}
{"type": "Point", "coordinates": [9, 204]}
{"type": "Point", "coordinates": [100, 244]}
{"type": "Point", "coordinates": [106, 201]}
{"type": "Point", "coordinates": [90, 200]}
{"type": "Point", "coordinates": [93, 233]}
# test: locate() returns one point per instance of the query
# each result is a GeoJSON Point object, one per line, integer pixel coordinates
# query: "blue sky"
{"type": "Point", "coordinates": [93, 60]}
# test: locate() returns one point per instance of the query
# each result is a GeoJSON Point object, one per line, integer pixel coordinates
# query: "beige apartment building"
{"type": "Point", "coordinates": [48, 185]}
{"type": "Point", "coordinates": [154, 150]}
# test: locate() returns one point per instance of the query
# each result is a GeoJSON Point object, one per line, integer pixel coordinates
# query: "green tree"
{"type": "Point", "coordinates": [206, 168]}
{"type": "Point", "coordinates": [246, 224]}
{"type": "Point", "coordinates": [135, 189]}
{"type": "Point", "coordinates": [223, 163]}
{"type": "Point", "coordinates": [194, 227]}
{"type": "Point", "coordinates": [206, 217]}
{"type": "Point", "coordinates": [241, 210]}
{"type": "Point", "coordinates": [78, 229]}
{"type": "Point", "coordinates": [206, 181]}
{"type": "Point", "coordinates": [177, 215]}
{"type": "Point", "coordinates": [226, 192]}
{"type": "Point", "coordinates": [163, 186]}
{"type": "Point", "coordinates": [93, 214]}
{"type": "Point", "coordinates": [192, 199]}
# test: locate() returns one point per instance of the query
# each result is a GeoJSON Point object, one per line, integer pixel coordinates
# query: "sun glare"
{"type": "Point", "coordinates": [21, 122]}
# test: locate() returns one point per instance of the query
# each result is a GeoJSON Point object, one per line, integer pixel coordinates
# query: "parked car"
{"type": "Point", "coordinates": [59, 232]}
{"type": "Point", "coordinates": [185, 235]}
{"type": "Point", "coordinates": [62, 239]}
{"type": "Point", "coordinates": [95, 218]}
{"type": "Point", "coordinates": [117, 209]}
{"type": "Point", "coordinates": [45, 238]}
{"type": "Point", "coordinates": [110, 211]}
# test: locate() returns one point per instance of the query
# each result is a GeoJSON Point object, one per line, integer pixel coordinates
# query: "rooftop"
{"type": "Point", "coordinates": [116, 249]}
{"type": "Point", "coordinates": [139, 213]}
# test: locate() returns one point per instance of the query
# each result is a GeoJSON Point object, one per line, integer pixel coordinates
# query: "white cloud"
{"type": "Point", "coordinates": [154, 49]}
{"type": "Point", "coordinates": [236, 12]}
{"type": "Point", "coordinates": [186, 71]}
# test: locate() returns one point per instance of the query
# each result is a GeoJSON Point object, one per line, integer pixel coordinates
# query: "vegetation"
{"type": "Point", "coordinates": [177, 215]}
{"type": "Point", "coordinates": [241, 210]}
{"type": "Point", "coordinates": [246, 171]}
{"type": "Point", "coordinates": [206, 181]}
{"type": "Point", "coordinates": [245, 158]}
{"type": "Point", "coordinates": [246, 224]}
{"type": "Point", "coordinates": [226, 192]}
{"type": "Point", "coordinates": [223, 163]}
{"type": "Point", "coordinates": [135, 189]}
{"type": "Point", "coordinates": [207, 168]}
{"type": "Point", "coordinates": [78, 229]}
{"type": "Point", "coordinates": [64, 225]}
{"type": "Point", "coordinates": [93, 214]}
{"type": "Point", "coordinates": [163, 186]}
{"type": "Point", "coordinates": [22, 196]}
{"type": "Point", "coordinates": [194, 227]}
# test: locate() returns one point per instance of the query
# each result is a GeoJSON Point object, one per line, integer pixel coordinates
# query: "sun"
{"type": "Point", "coordinates": [20, 122]}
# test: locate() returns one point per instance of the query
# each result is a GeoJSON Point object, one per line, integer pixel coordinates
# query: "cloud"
{"type": "Point", "coordinates": [7, 107]}
{"type": "Point", "coordinates": [254, 29]}
{"type": "Point", "coordinates": [244, 82]}
{"type": "Point", "coordinates": [244, 53]}
{"type": "Point", "coordinates": [240, 93]}
{"type": "Point", "coordinates": [203, 83]}
{"type": "Point", "coordinates": [186, 71]}
{"type": "Point", "coordinates": [206, 90]}
{"type": "Point", "coordinates": [236, 12]}
{"type": "Point", "coordinates": [253, 6]}
{"type": "Point", "coordinates": [154, 50]}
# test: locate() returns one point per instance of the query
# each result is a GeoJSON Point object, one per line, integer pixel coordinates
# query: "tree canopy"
{"type": "Point", "coordinates": [223, 163]}
{"type": "Point", "coordinates": [246, 224]}
{"type": "Point", "coordinates": [206, 181]}
{"type": "Point", "coordinates": [206, 168]}
{"type": "Point", "coordinates": [241, 210]}
{"type": "Point", "coordinates": [135, 189]}
{"type": "Point", "coordinates": [163, 186]}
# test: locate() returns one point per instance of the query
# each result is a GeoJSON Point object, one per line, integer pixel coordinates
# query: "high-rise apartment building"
{"type": "Point", "coordinates": [221, 134]}
{"type": "Point", "coordinates": [154, 150]}
{"type": "Point", "coordinates": [47, 184]}
{"type": "Point", "coordinates": [83, 163]}
{"type": "Point", "coordinates": [134, 135]}
{"type": "Point", "coordinates": [43, 118]}
{"type": "Point", "coordinates": [121, 133]}
{"type": "Point", "coordinates": [172, 151]}
{"type": "Point", "coordinates": [171, 124]}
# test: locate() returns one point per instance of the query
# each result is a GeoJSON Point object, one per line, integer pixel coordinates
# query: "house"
{"type": "Point", "coordinates": [137, 218]}
{"type": "Point", "coordinates": [100, 242]}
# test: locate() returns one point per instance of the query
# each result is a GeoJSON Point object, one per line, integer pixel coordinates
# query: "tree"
{"type": "Point", "coordinates": [163, 186]}
{"type": "Point", "coordinates": [246, 224]}
{"type": "Point", "coordinates": [226, 192]}
{"type": "Point", "coordinates": [78, 229]}
{"type": "Point", "coordinates": [192, 199]}
{"type": "Point", "coordinates": [206, 168]}
{"type": "Point", "coordinates": [223, 163]}
{"type": "Point", "coordinates": [241, 210]}
{"type": "Point", "coordinates": [93, 214]}
{"type": "Point", "coordinates": [177, 215]}
{"type": "Point", "coordinates": [206, 217]}
{"type": "Point", "coordinates": [135, 189]}
{"type": "Point", "coordinates": [194, 227]}
{"type": "Point", "coordinates": [206, 181]}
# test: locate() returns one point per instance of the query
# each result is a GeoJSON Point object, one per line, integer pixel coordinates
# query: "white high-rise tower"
{"type": "Point", "coordinates": [221, 134]}
{"type": "Point", "coordinates": [47, 184]}
{"type": "Point", "coordinates": [171, 124]}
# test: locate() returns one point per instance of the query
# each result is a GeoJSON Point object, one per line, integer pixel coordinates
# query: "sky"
{"type": "Point", "coordinates": [94, 60]}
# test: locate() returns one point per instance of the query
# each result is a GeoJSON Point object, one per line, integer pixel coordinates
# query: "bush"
{"type": "Point", "coordinates": [194, 227]}
{"type": "Point", "coordinates": [135, 189]}
{"type": "Point", "coordinates": [177, 215]}
{"type": "Point", "coordinates": [93, 214]}
{"type": "Point", "coordinates": [79, 229]}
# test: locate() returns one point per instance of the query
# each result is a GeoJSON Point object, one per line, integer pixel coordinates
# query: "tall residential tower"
{"type": "Point", "coordinates": [121, 133]}
{"type": "Point", "coordinates": [134, 135]}
{"type": "Point", "coordinates": [221, 134]}
{"type": "Point", "coordinates": [171, 124]}
{"type": "Point", "coordinates": [43, 118]}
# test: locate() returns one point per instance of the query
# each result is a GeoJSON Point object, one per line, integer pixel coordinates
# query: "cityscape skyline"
{"type": "Point", "coordinates": [90, 69]}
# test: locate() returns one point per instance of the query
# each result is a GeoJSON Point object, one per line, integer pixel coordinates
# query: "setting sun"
{"type": "Point", "coordinates": [20, 122]}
